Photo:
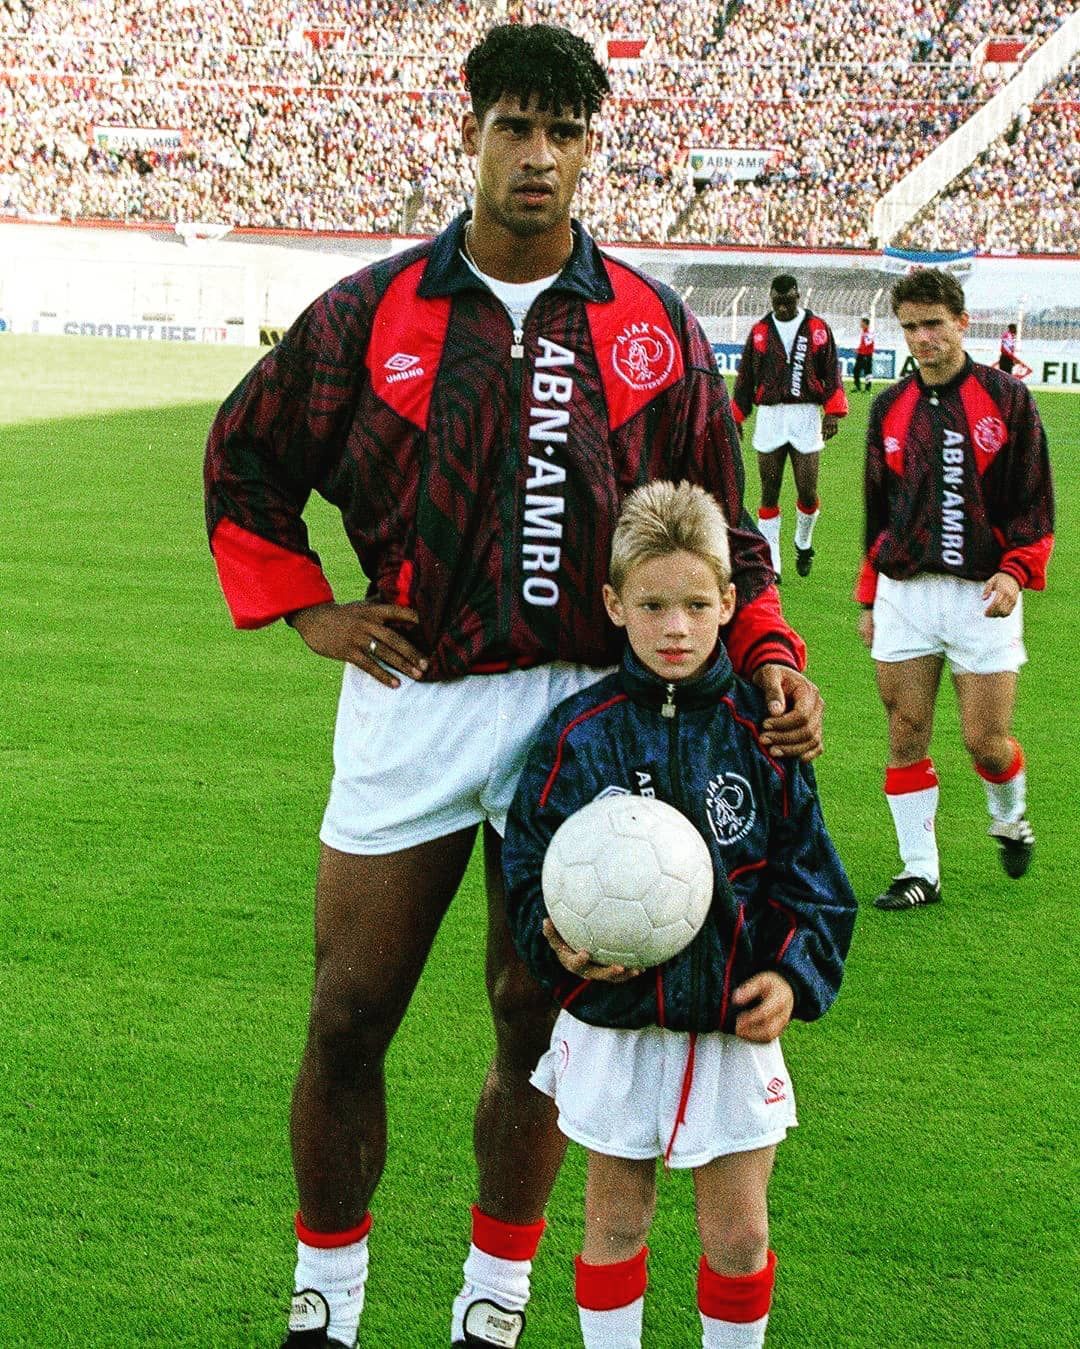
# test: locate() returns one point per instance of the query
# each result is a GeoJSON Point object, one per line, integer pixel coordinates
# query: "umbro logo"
{"type": "Point", "coordinates": [403, 366]}
{"type": "Point", "coordinates": [774, 1091]}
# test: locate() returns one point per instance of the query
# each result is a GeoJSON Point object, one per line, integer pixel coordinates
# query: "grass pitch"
{"type": "Point", "coordinates": [163, 781]}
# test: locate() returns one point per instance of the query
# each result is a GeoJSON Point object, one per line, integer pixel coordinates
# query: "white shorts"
{"type": "Point", "coordinates": [425, 759]}
{"type": "Point", "coordinates": [794, 424]}
{"type": "Point", "coordinates": [618, 1091]}
{"type": "Point", "coordinates": [936, 615]}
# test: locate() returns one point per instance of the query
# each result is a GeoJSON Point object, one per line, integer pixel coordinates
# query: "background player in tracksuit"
{"type": "Point", "coordinates": [476, 408]}
{"type": "Point", "coordinates": [959, 520]}
{"type": "Point", "coordinates": [681, 1061]}
{"type": "Point", "coordinates": [864, 358]}
{"type": "Point", "coordinates": [790, 373]}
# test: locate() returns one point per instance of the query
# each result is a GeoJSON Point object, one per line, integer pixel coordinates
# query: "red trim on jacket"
{"type": "Point", "coordinates": [726, 995]}
{"type": "Point", "coordinates": [1027, 566]}
{"type": "Point", "coordinates": [837, 404]}
{"type": "Point", "coordinates": [758, 619]}
{"type": "Point", "coordinates": [749, 866]}
{"type": "Point", "coordinates": [895, 426]}
{"type": "Point", "coordinates": [640, 357]}
{"type": "Point", "coordinates": [407, 339]}
{"type": "Point", "coordinates": [793, 928]}
{"type": "Point", "coordinates": [262, 581]}
{"type": "Point", "coordinates": [773, 763]}
{"type": "Point", "coordinates": [584, 716]}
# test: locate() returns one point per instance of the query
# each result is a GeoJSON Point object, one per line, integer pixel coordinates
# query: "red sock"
{"type": "Point", "coordinates": [506, 1241]}
{"type": "Point", "coordinates": [736, 1297]}
{"type": "Point", "coordinates": [602, 1288]}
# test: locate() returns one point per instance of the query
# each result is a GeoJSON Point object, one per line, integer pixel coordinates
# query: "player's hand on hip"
{"type": "Point", "coordinates": [769, 1001]}
{"type": "Point", "coordinates": [366, 635]}
{"type": "Point", "coordinates": [830, 424]}
{"type": "Point", "coordinates": [581, 963]}
{"type": "Point", "coordinates": [1002, 591]}
{"type": "Point", "coordinates": [796, 713]}
{"type": "Point", "coordinates": [866, 628]}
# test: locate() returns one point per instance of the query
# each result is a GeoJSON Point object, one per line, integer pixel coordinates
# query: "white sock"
{"type": "Point", "coordinates": [770, 529]}
{"type": "Point", "coordinates": [339, 1274]}
{"type": "Point", "coordinates": [804, 526]}
{"type": "Point", "coordinates": [912, 793]}
{"type": "Point", "coordinates": [619, 1328]}
{"type": "Point", "coordinates": [1006, 799]}
{"type": "Point", "coordinates": [493, 1279]}
{"type": "Point", "coordinates": [732, 1334]}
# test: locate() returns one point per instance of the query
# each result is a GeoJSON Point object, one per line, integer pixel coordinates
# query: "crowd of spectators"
{"type": "Point", "coordinates": [344, 115]}
{"type": "Point", "coordinates": [1022, 193]}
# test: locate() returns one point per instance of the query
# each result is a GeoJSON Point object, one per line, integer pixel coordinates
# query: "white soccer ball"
{"type": "Point", "coordinates": [628, 879]}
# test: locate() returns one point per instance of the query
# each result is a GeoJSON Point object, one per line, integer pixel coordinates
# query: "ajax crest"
{"type": "Point", "coordinates": [643, 355]}
{"type": "Point", "coordinates": [731, 810]}
{"type": "Point", "coordinates": [989, 434]}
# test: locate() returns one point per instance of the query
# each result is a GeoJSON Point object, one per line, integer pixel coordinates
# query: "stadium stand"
{"type": "Point", "coordinates": [331, 115]}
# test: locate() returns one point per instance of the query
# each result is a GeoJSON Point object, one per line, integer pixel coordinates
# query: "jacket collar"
{"type": "Point", "coordinates": [949, 385]}
{"type": "Point", "coordinates": [648, 689]}
{"type": "Point", "coordinates": [447, 273]}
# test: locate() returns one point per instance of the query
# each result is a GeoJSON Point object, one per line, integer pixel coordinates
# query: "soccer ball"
{"type": "Point", "coordinates": [628, 879]}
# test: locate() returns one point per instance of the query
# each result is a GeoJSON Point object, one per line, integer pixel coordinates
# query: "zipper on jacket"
{"type": "Point", "coordinates": [517, 346]}
{"type": "Point", "coordinates": [668, 708]}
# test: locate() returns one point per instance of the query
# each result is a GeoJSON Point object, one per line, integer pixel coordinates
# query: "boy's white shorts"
{"type": "Point", "coordinates": [936, 615]}
{"type": "Point", "coordinates": [794, 424]}
{"type": "Point", "coordinates": [425, 759]}
{"type": "Point", "coordinates": [618, 1091]}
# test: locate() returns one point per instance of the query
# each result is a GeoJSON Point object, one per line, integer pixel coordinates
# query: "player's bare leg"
{"type": "Point", "coordinates": [375, 920]}
{"type": "Point", "coordinates": [620, 1199]}
{"type": "Point", "coordinates": [771, 472]}
{"type": "Point", "coordinates": [736, 1274]}
{"type": "Point", "coordinates": [519, 1148]}
{"type": "Point", "coordinates": [805, 469]}
{"type": "Point", "coordinates": [986, 703]}
{"type": "Point", "coordinates": [909, 690]}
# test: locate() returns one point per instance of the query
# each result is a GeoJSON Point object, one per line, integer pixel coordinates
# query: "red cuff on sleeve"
{"type": "Point", "coordinates": [837, 405]}
{"type": "Point", "coordinates": [1027, 566]}
{"type": "Point", "coordinates": [759, 635]}
{"type": "Point", "coordinates": [738, 414]}
{"type": "Point", "coordinates": [262, 581]}
{"type": "Point", "coordinates": [866, 584]}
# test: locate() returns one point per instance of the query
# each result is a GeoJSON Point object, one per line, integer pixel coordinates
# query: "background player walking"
{"type": "Point", "coordinates": [959, 520]}
{"type": "Point", "coordinates": [789, 372]}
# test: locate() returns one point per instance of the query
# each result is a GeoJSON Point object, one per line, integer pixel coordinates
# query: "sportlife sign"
{"type": "Point", "coordinates": [740, 163]}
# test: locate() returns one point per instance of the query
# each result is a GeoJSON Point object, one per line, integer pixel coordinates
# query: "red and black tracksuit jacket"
{"type": "Point", "coordinates": [957, 481]}
{"type": "Point", "coordinates": [478, 472]}
{"type": "Point", "coordinates": [768, 377]}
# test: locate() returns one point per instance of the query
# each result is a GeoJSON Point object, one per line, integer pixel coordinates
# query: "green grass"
{"type": "Point", "coordinates": [163, 781]}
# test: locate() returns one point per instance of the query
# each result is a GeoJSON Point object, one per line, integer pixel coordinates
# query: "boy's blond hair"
{"type": "Point", "coordinates": [662, 518]}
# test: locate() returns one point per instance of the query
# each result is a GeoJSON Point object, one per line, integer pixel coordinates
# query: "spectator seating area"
{"type": "Point", "coordinates": [339, 115]}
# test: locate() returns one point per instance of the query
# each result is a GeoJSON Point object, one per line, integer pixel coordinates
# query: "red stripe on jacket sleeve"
{"type": "Point", "coordinates": [759, 635]}
{"type": "Point", "coordinates": [262, 581]}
